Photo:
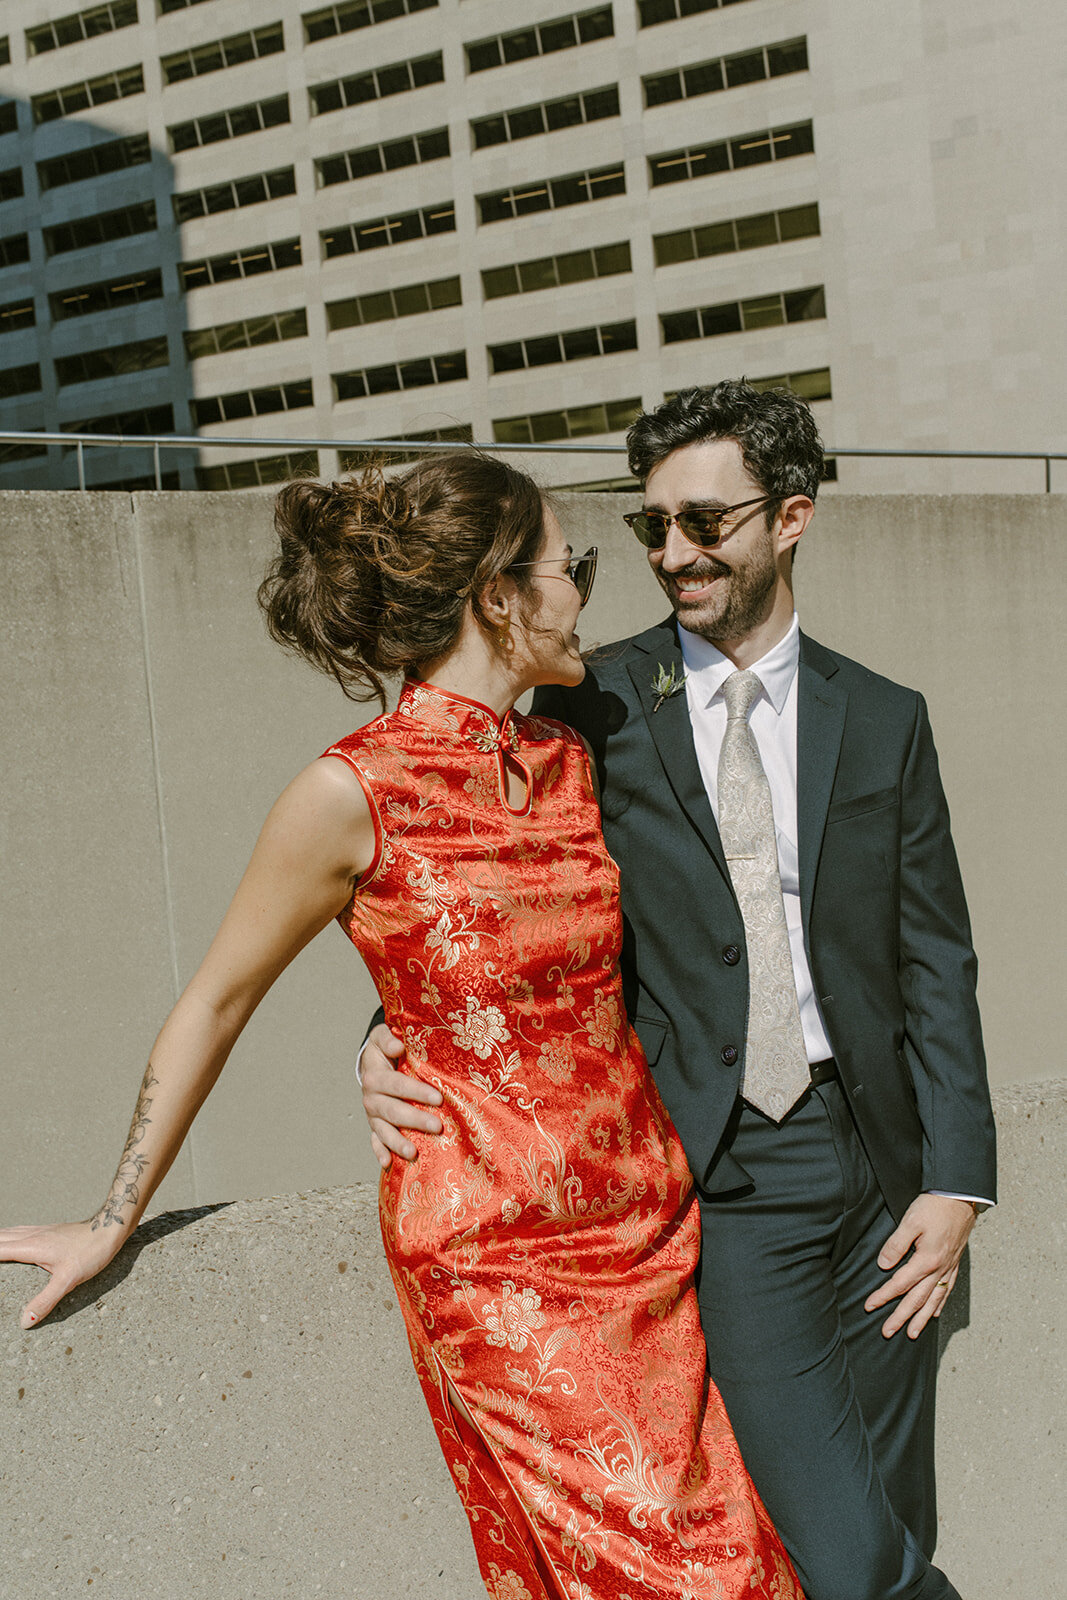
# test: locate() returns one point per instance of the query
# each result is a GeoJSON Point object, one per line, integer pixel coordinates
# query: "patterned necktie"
{"type": "Point", "coordinates": [776, 1070]}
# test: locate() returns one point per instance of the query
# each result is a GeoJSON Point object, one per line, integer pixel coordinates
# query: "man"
{"type": "Point", "coordinates": [798, 967]}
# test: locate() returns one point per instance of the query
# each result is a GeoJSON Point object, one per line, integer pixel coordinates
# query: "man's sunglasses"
{"type": "Point", "coordinates": [701, 525]}
{"type": "Point", "coordinates": [581, 571]}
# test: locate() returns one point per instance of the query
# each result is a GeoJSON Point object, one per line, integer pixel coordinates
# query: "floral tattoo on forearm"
{"type": "Point", "coordinates": [125, 1190]}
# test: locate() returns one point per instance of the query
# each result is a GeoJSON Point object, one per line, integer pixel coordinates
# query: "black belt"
{"type": "Point", "coordinates": [823, 1072]}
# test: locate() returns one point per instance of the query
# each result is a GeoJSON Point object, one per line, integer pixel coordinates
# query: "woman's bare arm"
{"type": "Point", "coordinates": [315, 844]}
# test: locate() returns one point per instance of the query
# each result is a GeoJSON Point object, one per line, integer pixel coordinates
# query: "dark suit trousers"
{"type": "Point", "coordinates": [835, 1421]}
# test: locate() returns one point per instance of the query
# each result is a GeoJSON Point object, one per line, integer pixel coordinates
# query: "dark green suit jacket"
{"type": "Point", "coordinates": [885, 920]}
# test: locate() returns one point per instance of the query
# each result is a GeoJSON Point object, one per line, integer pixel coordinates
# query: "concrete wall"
{"type": "Point", "coordinates": [230, 1413]}
{"type": "Point", "coordinates": [150, 723]}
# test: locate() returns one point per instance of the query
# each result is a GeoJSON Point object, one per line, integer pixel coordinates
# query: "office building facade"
{"type": "Point", "coordinates": [481, 218]}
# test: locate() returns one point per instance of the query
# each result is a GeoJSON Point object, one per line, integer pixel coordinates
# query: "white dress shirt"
{"type": "Point", "coordinates": [773, 721]}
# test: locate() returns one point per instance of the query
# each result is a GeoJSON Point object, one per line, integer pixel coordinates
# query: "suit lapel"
{"type": "Point", "coordinates": [672, 732]}
{"type": "Point", "coordinates": [821, 705]}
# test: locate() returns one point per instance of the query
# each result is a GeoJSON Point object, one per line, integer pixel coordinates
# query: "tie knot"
{"type": "Point", "coordinates": [739, 691]}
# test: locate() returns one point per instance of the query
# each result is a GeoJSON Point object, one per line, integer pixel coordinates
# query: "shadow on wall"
{"type": "Point", "coordinates": [92, 316]}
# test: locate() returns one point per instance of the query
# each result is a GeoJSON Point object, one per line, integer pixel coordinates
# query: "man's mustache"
{"type": "Point", "coordinates": [702, 569]}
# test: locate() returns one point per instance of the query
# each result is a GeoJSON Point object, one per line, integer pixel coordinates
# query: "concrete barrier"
{"type": "Point", "coordinates": [230, 1413]}
{"type": "Point", "coordinates": [149, 723]}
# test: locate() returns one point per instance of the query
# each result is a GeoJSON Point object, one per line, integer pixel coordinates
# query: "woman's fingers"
{"type": "Point", "coordinates": [69, 1253]}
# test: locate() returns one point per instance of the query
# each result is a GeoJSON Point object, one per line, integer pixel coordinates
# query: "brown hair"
{"type": "Point", "coordinates": [374, 574]}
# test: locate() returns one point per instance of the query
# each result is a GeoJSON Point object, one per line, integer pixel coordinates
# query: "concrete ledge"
{"type": "Point", "coordinates": [230, 1411]}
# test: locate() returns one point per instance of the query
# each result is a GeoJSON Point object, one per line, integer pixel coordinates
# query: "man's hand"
{"type": "Point", "coordinates": [935, 1229]}
{"type": "Point", "coordinates": [387, 1097]}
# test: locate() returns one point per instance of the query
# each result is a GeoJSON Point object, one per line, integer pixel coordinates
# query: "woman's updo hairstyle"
{"type": "Point", "coordinates": [374, 574]}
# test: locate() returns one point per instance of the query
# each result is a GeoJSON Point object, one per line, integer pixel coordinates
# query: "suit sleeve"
{"type": "Point", "coordinates": [939, 972]}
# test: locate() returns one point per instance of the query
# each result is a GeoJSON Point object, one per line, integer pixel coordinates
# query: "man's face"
{"type": "Point", "coordinates": [725, 592]}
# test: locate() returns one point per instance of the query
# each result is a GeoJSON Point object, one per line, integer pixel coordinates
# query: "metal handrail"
{"type": "Point", "coordinates": [158, 442]}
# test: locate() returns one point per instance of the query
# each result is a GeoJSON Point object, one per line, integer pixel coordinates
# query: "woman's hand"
{"type": "Point", "coordinates": [70, 1252]}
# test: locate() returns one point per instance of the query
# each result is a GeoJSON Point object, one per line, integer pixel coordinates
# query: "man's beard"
{"type": "Point", "coordinates": [742, 603]}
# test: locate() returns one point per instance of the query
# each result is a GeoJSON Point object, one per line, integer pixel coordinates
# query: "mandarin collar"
{"type": "Point", "coordinates": [707, 669]}
{"type": "Point", "coordinates": [458, 716]}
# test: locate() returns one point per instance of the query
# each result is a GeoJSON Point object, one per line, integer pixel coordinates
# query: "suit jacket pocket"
{"type": "Point", "coordinates": [651, 1031]}
{"type": "Point", "coordinates": [877, 800]}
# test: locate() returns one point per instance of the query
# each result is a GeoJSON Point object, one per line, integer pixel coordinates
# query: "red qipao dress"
{"type": "Point", "coordinates": [543, 1246]}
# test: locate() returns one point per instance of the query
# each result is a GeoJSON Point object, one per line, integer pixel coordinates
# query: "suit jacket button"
{"type": "Point", "coordinates": [729, 1054]}
{"type": "Point", "coordinates": [731, 955]}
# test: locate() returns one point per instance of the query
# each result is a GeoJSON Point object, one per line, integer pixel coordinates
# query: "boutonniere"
{"type": "Point", "coordinates": [666, 683]}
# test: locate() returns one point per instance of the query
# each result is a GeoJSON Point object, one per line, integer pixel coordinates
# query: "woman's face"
{"type": "Point", "coordinates": [547, 646]}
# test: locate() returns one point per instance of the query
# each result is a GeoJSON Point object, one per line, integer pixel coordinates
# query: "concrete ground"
{"type": "Point", "coordinates": [229, 1413]}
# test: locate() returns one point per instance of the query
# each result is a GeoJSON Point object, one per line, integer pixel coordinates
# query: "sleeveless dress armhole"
{"type": "Point", "coordinates": [376, 817]}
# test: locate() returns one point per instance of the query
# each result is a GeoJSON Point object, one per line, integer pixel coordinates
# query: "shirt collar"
{"type": "Point", "coordinates": [707, 669]}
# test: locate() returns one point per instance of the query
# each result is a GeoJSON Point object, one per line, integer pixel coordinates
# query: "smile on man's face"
{"type": "Point", "coordinates": [725, 592]}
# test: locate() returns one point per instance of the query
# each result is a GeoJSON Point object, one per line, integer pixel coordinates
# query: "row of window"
{"type": "Point", "coordinates": [102, 228]}
{"type": "Point", "coordinates": [243, 403]}
{"type": "Point", "coordinates": [388, 304]}
{"type": "Point", "coordinates": [371, 159]}
{"type": "Point", "coordinates": [548, 117]}
{"type": "Point", "coordinates": [650, 12]}
{"type": "Point", "coordinates": [11, 185]}
{"type": "Point", "coordinates": [741, 233]}
{"type": "Point", "coordinates": [329, 21]}
{"type": "Point", "coordinates": [234, 194]}
{"type": "Point", "coordinates": [576, 422]}
{"type": "Point", "coordinates": [382, 231]}
{"type": "Point", "coordinates": [556, 272]}
{"type": "Point", "coordinates": [551, 194]}
{"type": "Point", "coordinates": [398, 78]}
{"type": "Point", "coordinates": [231, 124]}
{"type": "Point", "coordinates": [457, 433]}
{"type": "Point", "coordinates": [245, 335]}
{"type": "Point", "coordinates": [250, 472]}
{"type": "Point", "coordinates": [92, 92]}
{"type": "Point", "coordinates": [742, 316]}
{"type": "Point", "coordinates": [132, 150]}
{"type": "Point", "coordinates": [80, 25]}
{"type": "Point", "coordinates": [233, 264]}
{"type": "Point", "coordinates": [730, 155]}
{"type": "Point", "coordinates": [114, 295]}
{"type": "Point", "coordinates": [562, 33]}
{"type": "Point", "coordinates": [16, 315]}
{"type": "Point", "coordinates": [726, 72]}
{"type": "Point", "coordinates": [579, 344]}
{"type": "Point", "coordinates": [398, 375]}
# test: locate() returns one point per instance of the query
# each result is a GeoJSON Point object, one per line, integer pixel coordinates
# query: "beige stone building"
{"type": "Point", "coordinates": [518, 222]}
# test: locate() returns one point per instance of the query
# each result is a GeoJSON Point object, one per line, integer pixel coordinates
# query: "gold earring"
{"type": "Point", "coordinates": [502, 638]}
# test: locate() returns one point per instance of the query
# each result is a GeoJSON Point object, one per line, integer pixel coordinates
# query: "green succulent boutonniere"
{"type": "Point", "coordinates": [666, 683]}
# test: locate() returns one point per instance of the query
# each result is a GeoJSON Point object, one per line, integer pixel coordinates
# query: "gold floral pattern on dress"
{"type": "Point", "coordinates": [479, 1028]}
{"type": "Point", "coordinates": [543, 1245]}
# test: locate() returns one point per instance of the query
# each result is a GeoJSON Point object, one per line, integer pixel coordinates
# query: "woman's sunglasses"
{"type": "Point", "coordinates": [581, 572]}
{"type": "Point", "coordinates": [701, 525]}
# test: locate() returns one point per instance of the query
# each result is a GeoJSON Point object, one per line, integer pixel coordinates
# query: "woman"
{"type": "Point", "coordinates": [544, 1245]}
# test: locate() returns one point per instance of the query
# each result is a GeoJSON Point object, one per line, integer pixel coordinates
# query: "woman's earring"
{"type": "Point", "coordinates": [502, 637]}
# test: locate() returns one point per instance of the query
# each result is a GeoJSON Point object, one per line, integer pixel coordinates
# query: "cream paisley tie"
{"type": "Point", "coordinates": [776, 1070]}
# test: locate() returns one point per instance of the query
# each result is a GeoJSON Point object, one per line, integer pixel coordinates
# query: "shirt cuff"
{"type": "Point", "coordinates": [359, 1062]}
{"type": "Point", "coordinates": [972, 1199]}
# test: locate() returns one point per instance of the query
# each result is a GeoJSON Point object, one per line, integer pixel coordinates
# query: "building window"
{"type": "Point", "coordinates": [9, 116]}
{"type": "Point", "coordinates": [577, 422]}
{"type": "Point", "coordinates": [578, 345]}
{"type": "Point", "coordinates": [111, 296]}
{"type": "Point", "coordinates": [20, 380]}
{"type": "Point", "coordinates": [227, 336]}
{"type": "Point", "coordinates": [749, 150]}
{"type": "Point", "coordinates": [388, 304]}
{"type": "Point", "coordinates": [93, 92]}
{"type": "Point", "coordinates": [650, 12]}
{"type": "Point", "coordinates": [248, 472]}
{"type": "Point", "coordinates": [230, 52]}
{"type": "Point", "coordinates": [232, 124]}
{"type": "Point", "coordinates": [382, 231]}
{"type": "Point", "coordinates": [458, 433]}
{"type": "Point", "coordinates": [811, 385]}
{"type": "Point", "coordinates": [80, 25]}
{"type": "Point", "coordinates": [16, 315]}
{"type": "Point", "coordinates": [14, 250]}
{"type": "Point", "coordinates": [149, 420]}
{"type": "Point", "coordinates": [563, 33]}
{"type": "Point", "coordinates": [397, 78]}
{"type": "Point", "coordinates": [371, 159]}
{"type": "Point", "coordinates": [21, 452]}
{"type": "Point", "coordinates": [252, 402]}
{"type": "Point", "coordinates": [550, 115]}
{"type": "Point", "coordinates": [166, 6]}
{"type": "Point", "coordinates": [743, 316]}
{"type": "Point", "coordinates": [236, 193]}
{"type": "Point", "coordinates": [5, 51]}
{"type": "Point", "coordinates": [101, 229]}
{"type": "Point", "coordinates": [556, 272]}
{"type": "Point", "coordinates": [239, 264]}
{"type": "Point", "coordinates": [144, 480]}
{"type": "Point", "coordinates": [114, 361]}
{"type": "Point", "coordinates": [132, 151]}
{"type": "Point", "coordinates": [11, 184]}
{"type": "Point", "coordinates": [726, 72]}
{"type": "Point", "coordinates": [329, 21]}
{"type": "Point", "coordinates": [400, 375]}
{"type": "Point", "coordinates": [742, 233]}
{"type": "Point", "coordinates": [550, 194]}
